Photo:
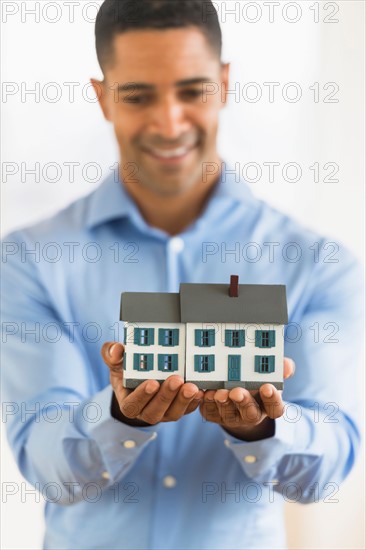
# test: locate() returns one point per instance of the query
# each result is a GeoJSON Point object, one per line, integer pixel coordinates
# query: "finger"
{"type": "Point", "coordinates": [133, 403]}
{"type": "Point", "coordinates": [186, 394]}
{"type": "Point", "coordinates": [208, 407]}
{"type": "Point", "coordinates": [112, 353]}
{"type": "Point", "coordinates": [248, 407]}
{"type": "Point", "coordinates": [157, 407]}
{"type": "Point", "coordinates": [195, 403]}
{"type": "Point", "coordinates": [272, 401]}
{"type": "Point", "coordinates": [227, 409]}
{"type": "Point", "coordinates": [289, 367]}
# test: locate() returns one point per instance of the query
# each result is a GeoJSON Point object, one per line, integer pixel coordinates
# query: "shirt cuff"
{"type": "Point", "coordinates": [119, 444]}
{"type": "Point", "coordinates": [260, 459]}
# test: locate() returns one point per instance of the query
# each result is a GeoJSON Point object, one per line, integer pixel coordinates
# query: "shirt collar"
{"type": "Point", "coordinates": [110, 201]}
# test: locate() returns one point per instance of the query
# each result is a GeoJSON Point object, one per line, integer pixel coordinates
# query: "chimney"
{"type": "Point", "coordinates": [234, 286]}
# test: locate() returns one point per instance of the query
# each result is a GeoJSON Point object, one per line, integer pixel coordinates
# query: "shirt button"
{"type": "Point", "coordinates": [154, 435]}
{"type": "Point", "coordinates": [176, 244]}
{"type": "Point", "coordinates": [227, 442]}
{"type": "Point", "coordinates": [250, 459]}
{"type": "Point", "coordinates": [129, 443]}
{"type": "Point", "coordinates": [169, 482]}
{"type": "Point", "coordinates": [105, 475]}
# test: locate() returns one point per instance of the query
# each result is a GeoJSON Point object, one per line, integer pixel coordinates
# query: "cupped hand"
{"type": "Point", "coordinates": [151, 402]}
{"type": "Point", "coordinates": [245, 414]}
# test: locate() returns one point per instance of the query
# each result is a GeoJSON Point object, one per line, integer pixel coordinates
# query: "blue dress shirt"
{"type": "Point", "coordinates": [185, 484]}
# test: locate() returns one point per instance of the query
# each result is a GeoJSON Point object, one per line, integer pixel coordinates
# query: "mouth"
{"type": "Point", "coordinates": [170, 156]}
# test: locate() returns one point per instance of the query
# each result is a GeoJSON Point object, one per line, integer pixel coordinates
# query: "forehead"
{"type": "Point", "coordinates": [162, 56]}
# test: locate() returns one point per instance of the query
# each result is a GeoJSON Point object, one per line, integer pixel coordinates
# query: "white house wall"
{"type": "Point", "coordinates": [131, 348]}
{"type": "Point", "coordinates": [186, 350]}
{"type": "Point", "coordinates": [247, 353]}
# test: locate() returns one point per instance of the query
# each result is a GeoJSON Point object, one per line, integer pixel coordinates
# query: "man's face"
{"type": "Point", "coordinates": [156, 96]}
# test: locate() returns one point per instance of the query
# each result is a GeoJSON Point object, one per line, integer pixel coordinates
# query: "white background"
{"type": "Point", "coordinates": [304, 132]}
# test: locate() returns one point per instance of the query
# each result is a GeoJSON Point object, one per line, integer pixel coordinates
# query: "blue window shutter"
{"type": "Point", "coordinates": [271, 363]}
{"type": "Point", "coordinates": [211, 337]}
{"type": "Point", "coordinates": [150, 336]}
{"type": "Point", "coordinates": [124, 334]}
{"type": "Point", "coordinates": [228, 338]}
{"type": "Point", "coordinates": [136, 336]}
{"type": "Point", "coordinates": [176, 337]}
{"type": "Point", "coordinates": [174, 361]}
{"type": "Point", "coordinates": [197, 363]}
{"type": "Point", "coordinates": [241, 338]}
{"type": "Point", "coordinates": [257, 363]}
{"type": "Point", "coordinates": [197, 337]}
{"type": "Point", "coordinates": [124, 361]}
{"type": "Point", "coordinates": [272, 338]}
{"type": "Point", "coordinates": [258, 338]}
{"type": "Point", "coordinates": [211, 363]}
{"type": "Point", "coordinates": [160, 362]}
{"type": "Point", "coordinates": [161, 337]}
{"type": "Point", "coordinates": [150, 361]}
{"type": "Point", "coordinates": [136, 361]}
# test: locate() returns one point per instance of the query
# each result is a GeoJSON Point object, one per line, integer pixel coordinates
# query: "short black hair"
{"type": "Point", "coordinates": [118, 16]}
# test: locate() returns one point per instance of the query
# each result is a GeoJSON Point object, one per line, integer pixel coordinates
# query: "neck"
{"type": "Point", "coordinates": [174, 213]}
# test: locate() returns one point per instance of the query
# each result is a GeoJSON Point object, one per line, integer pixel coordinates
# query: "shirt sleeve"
{"type": "Point", "coordinates": [316, 440]}
{"type": "Point", "coordinates": [59, 427]}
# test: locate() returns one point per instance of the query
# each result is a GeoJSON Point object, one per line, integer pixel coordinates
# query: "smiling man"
{"type": "Point", "coordinates": [154, 95]}
{"type": "Point", "coordinates": [171, 466]}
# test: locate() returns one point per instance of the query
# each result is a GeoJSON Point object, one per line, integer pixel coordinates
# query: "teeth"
{"type": "Point", "coordinates": [170, 154]}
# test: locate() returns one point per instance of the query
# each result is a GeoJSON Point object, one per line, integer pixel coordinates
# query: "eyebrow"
{"type": "Point", "coordinates": [135, 86]}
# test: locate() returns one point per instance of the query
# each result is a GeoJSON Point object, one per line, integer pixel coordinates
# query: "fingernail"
{"type": "Point", "coordinates": [110, 351]}
{"type": "Point", "coordinates": [222, 401]}
{"type": "Point", "coordinates": [174, 384]}
{"type": "Point", "coordinates": [293, 366]}
{"type": "Point", "coordinates": [188, 393]}
{"type": "Point", "coordinates": [267, 391]}
{"type": "Point", "coordinates": [150, 388]}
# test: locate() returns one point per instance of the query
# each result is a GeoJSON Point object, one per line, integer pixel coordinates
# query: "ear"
{"type": "Point", "coordinates": [225, 72]}
{"type": "Point", "coordinates": [101, 93]}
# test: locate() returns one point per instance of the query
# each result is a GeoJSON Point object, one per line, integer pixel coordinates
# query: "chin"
{"type": "Point", "coordinates": [170, 190]}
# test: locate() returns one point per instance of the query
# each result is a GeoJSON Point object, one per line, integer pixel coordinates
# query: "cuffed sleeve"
{"type": "Point", "coordinates": [317, 438]}
{"type": "Point", "coordinates": [59, 425]}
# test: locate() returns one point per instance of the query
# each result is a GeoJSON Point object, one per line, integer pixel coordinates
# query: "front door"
{"type": "Point", "coordinates": [234, 368]}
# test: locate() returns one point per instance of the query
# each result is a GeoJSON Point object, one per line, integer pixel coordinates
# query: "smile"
{"type": "Point", "coordinates": [170, 154]}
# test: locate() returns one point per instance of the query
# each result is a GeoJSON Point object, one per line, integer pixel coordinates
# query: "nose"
{"type": "Point", "coordinates": [169, 119]}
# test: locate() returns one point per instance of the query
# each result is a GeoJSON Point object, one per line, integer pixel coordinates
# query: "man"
{"type": "Point", "coordinates": [171, 466]}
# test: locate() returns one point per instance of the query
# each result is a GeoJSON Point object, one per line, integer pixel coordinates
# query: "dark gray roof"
{"type": "Point", "coordinates": [207, 303]}
{"type": "Point", "coordinates": [212, 303]}
{"type": "Point", "coordinates": [150, 307]}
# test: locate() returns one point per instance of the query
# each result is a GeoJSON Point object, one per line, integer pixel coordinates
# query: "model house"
{"type": "Point", "coordinates": [214, 335]}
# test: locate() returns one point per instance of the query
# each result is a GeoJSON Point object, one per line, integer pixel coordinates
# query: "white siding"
{"type": "Point", "coordinates": [247, 353]}
{"type": "Point", "coordinates": [155, 349]}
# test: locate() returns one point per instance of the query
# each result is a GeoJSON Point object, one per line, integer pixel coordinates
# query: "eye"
{"type": "Point", "coordinates": [136, 99]}
{"type": "Point", "coordinates": [191, 93]}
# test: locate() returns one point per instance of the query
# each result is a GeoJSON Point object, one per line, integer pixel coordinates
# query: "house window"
{"type": "Point", "coordinates": [144, 336]}
{"type": "Point", "coordinates": [204, 363]}
{"type": "Point", "coordinates": [264, 363]}
{"type": "Point", "coordinates": [265, 338]}
{"type": "Point", "coordinates": [168, 336]}
{"type": "Point", "coordinates": [235, 338]}
{"type": "Point", "coordinates": [143, 361]}
{"type": "Point", "coordinates": [204, 338]}
{"type": "Point", "coordinates": [168, 363]}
